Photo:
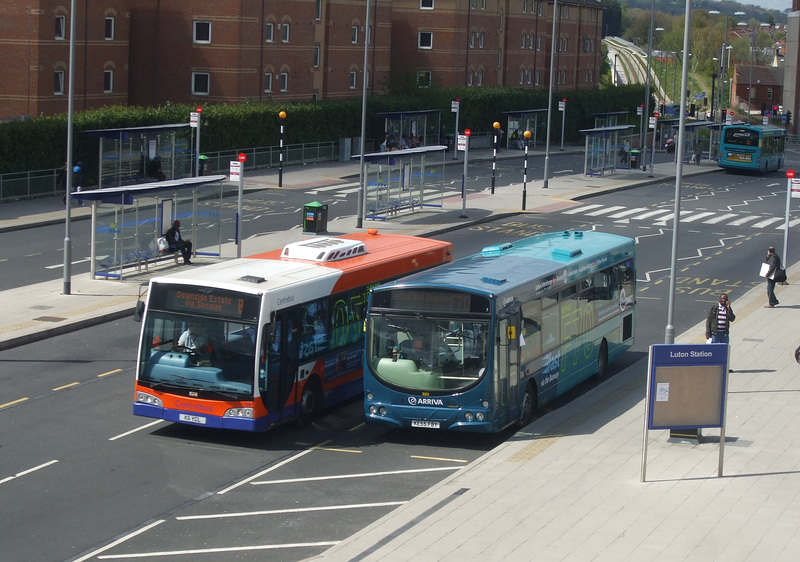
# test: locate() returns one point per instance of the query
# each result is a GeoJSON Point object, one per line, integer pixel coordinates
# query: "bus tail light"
{"type": "Point", "coordinates": [239, 413]}
{"type": "Point", "coordinates": [145, 398]}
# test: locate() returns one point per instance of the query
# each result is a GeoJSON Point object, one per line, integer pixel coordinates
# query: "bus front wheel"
{"type": "Point", "coordinates": [310, 401]}
{"type": "Point", "coordinates": [529, 405]}
{"type": "Point", "coordinates": [602, 360]}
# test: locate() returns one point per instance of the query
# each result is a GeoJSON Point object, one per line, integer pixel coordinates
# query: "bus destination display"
{"type": "Point", "coordinates": [204, 302]}
{"type": "Point", "coordinates": [438, 301]}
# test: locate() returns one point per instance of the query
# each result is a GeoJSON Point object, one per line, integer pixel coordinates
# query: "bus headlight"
{"type": "Point", "coordinates": [369, 396]}
{"type": "Point", "coordinates": [239, 413]}
{"type": "Point", "coordinates": [485, 403]}
{"type": "Point", "coordinates": [373, 409]}
{"type": "Point", "coordinates": [469, 417]}
{"type": "Point", "coordinates": [382, 410]}
{"type": "Point", "coordinates": [145, 398]}
{"type": "Point", "coordinates": [479, 416]}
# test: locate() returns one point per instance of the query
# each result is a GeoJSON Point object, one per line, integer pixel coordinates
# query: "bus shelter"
{"type": "Point", "coordinates": [699, 141]}
{"type": "Point", "coordinates": [127, 222]}
{"type": "Point", "coordinates": [424, 124]}
{"type": "Point", "coordinates": [133, 155]}
{"type": "Point", "coordinates": [610, 118]}
{"type": "Point", "coordinates": [602, 149]}
{"type": "Point", "coordinates": [525, 120]}
{"type": "Point", "coordinates": [403, 181]}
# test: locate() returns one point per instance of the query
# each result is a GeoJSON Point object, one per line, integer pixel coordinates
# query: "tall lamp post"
{"type": "Point", "coordinates": [527, 135]}
{"type": "Point", "coordinates": [646, 113]}
{"type": "Point", "coordinates": [550, 95]}
{"type": "Point", "coordinates": [67, 281]}
{"type": "Point", "coordinates": [496, 127]}
{"type": "Point", "coordinates": [282, 115]}
{"type": "Point", "coordinates": [722, 69]}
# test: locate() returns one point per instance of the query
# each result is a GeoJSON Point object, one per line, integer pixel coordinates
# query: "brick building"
{"type": "Point", "coordinates": [149, 52]}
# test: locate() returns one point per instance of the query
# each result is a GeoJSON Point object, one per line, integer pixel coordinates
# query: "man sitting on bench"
{"type": "Point", "coordinates": [177, 244]}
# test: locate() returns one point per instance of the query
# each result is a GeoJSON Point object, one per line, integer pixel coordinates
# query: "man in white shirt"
{"type": "Point", "coordinates": [193, 339]}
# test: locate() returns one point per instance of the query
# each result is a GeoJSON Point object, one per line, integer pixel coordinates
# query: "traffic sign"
{"type": "Point", "coordinates": [242, 157]}
{"type": "Point", "coordinates": [236, 170]}
{"type": "Point", "coordinates": [789, 173]}
{"type": "Point", "coordinates": [199, 109]}
{"type": "Point", "coordinates": [194, 119]}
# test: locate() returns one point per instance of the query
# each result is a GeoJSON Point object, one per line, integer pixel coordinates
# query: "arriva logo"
{"type": "Point", "coordinates": [414, 401]}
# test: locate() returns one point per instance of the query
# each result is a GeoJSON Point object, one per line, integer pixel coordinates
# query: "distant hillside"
{"type": "Point", "coordinates": [675, 7]}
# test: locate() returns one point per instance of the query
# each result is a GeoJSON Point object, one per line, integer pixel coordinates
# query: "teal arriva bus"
{"type": "Point", "coordinates": [757, 148]}
{"type": "Point", "coordinates": [483, 342]}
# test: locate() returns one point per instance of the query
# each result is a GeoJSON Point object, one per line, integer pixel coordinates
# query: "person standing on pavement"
{"type": "Point", "coordinates": [774, 262]}
{"type": "Point", "coordinates": [718, 321]}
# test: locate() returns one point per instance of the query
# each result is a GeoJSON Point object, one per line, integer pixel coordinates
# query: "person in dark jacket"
{"type": "Point", "coordinates": [774, 262]}
{"type": "Point", "coordinates": [178, 244]}
{"type": "Point", "coordinates": [718, 321]}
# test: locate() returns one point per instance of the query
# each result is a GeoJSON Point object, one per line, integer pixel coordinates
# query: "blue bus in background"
{"type": "Point", "coordinates": [758, 148]}
{"type": "Point", "coordinates": [483, 342]}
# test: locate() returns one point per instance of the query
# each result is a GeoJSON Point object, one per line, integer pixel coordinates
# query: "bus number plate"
{"type": "Point", "coordinates": [740, 157]}
{"type": "Point", "coordinates": [192, 419]}
{"type": "Point", "coordinates": [425, 423]}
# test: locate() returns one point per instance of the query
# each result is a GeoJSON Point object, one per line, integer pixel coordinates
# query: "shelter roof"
{"type": "Point", "coordinates": [125, 194]}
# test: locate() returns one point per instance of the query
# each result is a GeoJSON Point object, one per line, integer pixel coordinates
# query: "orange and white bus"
{"type": "Point", "coordinates": [272, 337]}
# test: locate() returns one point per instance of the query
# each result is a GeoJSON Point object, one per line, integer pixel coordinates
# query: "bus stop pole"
{"type": "Point", "coordinates": [239, 209]}
{"type": "Point", "coordinates": [467, 133]}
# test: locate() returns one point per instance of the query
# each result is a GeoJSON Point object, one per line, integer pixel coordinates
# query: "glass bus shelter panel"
{"type": "Point", "coordinates": [107, 240]}
{"type": "Point", "coordinates": [404, 184]}
{"type": "Point", "coordinates": [601, 151]}
{"type": "Point", "coordinates": [122, 162]}
{"type": "Point", "coordinates": [208, 227]}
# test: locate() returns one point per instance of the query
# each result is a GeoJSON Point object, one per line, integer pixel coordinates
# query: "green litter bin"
{"type": "Point", "coordinates": [315, 217]}
{"type": "Point", "coordinates": [635, 154]}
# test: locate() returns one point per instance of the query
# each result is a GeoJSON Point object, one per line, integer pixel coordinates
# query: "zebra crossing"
{"type": "Point", "coordinates": [662, 216]}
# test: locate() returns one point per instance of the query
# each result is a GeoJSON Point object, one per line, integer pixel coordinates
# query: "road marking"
{"type": "Point", "coordinates": [766, 222]}
{"type": "Point", "coordinates": [288, 510]}
{"type": "Point", "coordinates": [720, 218]}
{"type": "Point", "coordinates": [132, 431]}
{"type": "Point", "coordinates": [12, 403]}
{"type": "Point", "coordinates": [349, 476]}
{"type": "Point", "coordinates": [270, 469]}
{"type": "Point", "coordinates": [581, 209]}
{"type": "Point", "coordinates": [650, 214]}
{"type": "Point", "coordinates": [119, 541]}
{"type": "Point", "coordinates": [65, 386]}
{"type": "Point", "coordinates": [698, 216]}
{"type": "Point", "coordinates": [604, 211]}
{"type": "Point", "coordinates": [76, 262]}
{"type": "Point", "coordinates": [217, 550]}
{"type": "Point", "coordinates": [24, 472]}
{"type": "Point", "coordinates": [740, 222]}
{"type": "Point", "coordinates": [109, 373]}
{"type": "Point", "coordinates": [437, 459]}
{"type": "Point", "coordinates": [627, 213]}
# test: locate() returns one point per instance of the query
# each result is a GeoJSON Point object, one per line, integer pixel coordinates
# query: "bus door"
{"type": "Point", "coordinates": [507, 367]}
{"type": "Point", "coordinates": [282, 361]}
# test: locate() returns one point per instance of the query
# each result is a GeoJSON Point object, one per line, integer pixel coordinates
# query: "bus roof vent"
{"type": "Point", "coordinates": [497, 250]}
{"type": "Point", "coordinates": [324, 249]}
{"type": "Point", "coordinates": [252, 279]}
{"type": "Point", "coordinates": [493, 281]}
{"type": "Point", "coordinates": [561, 253]}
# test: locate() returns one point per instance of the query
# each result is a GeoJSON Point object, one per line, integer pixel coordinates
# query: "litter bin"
{"type": "Point", "coordinates": [635, 154]}
{"type": "Point", "coordinates": [202, 165]}
{"type": "Point", "coordinates": [315, 217]}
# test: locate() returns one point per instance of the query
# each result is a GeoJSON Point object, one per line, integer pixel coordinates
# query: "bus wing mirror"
{"type": "Point", "coordinates": [138, 312]}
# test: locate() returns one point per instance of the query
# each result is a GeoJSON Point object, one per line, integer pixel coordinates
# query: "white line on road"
{"type": "Point", "coordinates": [362, 475]}
{"type": "Point", "coordinates": [132, 431]}
{"type": "Point", "coordinates": [288, 510]}
{"type": "Point", "coordinates": [62, 265]}
{"type": "Point", "coordinates": [218, 550]}
{"type": "Point", "coordinates": [24, 472]}
{"type": "Point", "coordinates": [119, 541]}
{"type": "Point", "coordinates": [263, 472]}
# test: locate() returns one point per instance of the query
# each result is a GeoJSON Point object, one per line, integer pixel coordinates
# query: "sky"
{"type": "Point", "coordinates": [779, 5]}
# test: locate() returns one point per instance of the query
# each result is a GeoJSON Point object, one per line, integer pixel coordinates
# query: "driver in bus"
{"type": "Point", "coordinates": [194, 339]}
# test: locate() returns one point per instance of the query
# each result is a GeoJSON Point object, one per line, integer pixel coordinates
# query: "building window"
{"type": "Point", "coordinates": [285, 33]}
{"type": "Point", "coordinates": [201, 83]}
{"type": "Point", "coordinates": [473, 4]}
{"type": "Point", "coordinates": [540, 11]}
{"type": "Point", "coordinates": [108, 81]}
{"type": "Point", "coordinates": [586, 44]}
{"type": "Point", "coordinates": [269, 33]}
{"type": "Point", "coordinates": [58, 83]}
{"type": "Point", "coordinates": [523, 41]}
{"type": "Point", "coordinates": [202, 32]}
{"type": "Point", "coordinates": [267, 81]}
{"type": "Point", "coordinates": [109, 28]}
{"type": "Point", "coordinates": [425, 40]}
{"type": "Point", "coordinates": [61, 28]}
{"type": "Point", "coordinates": [318, 13]}
{"type": "Point", "coordinates": [470, 77]}
{"type": "Point", "coordinates": [528, 76]}
{"type": "Point", "coordinates": [284, 81]}
{"type": "Point", "coordinates": [483, 4]}
{"type": "Point", "coordinates": [354, 34]}
{"type": "Point", "coordinates": [538, 41]}
{"type": "Point", "coordinates": [530, 41]}
{"type": "Point", "coordinates": [537, 76]}
{"type": "Point", "coordinates": [480, 78]}
{"type": "Point", "coordinates": [424, 79]}
{"type": "Point", "coordinates": [426, 4]}
{"type": "Point", "coordinates": [353, 79]}
{"type": "Point", "coordinates": [769, 93]}
{"type": "Point", "coordinates": [481, 39]}
{"type": "Point", "coordinates": [521, 76]}
{"type": "Point", "coordinates": [472, 39]}
{"type": "Point", "coordinates": [524, 6]}
{"type": "Point", "coordinates": [316, 56]}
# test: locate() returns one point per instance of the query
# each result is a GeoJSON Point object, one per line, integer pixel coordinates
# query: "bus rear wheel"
{"type": "Point", "coordinates": [310, 401]}
{"type": "Point", "coordinates": [529, 403]}
{"type": "Point", "coordinates": [602, 361]}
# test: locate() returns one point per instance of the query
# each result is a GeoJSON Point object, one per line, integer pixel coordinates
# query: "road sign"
{"type": "Point", "coordinates": [454, 106]}
{"type": "Point", "coordinates": [242, 157]}
{"type": "Point", "coordinates": [562, 105]}
{"type": "Point", "coordinates": [236, 170]}
{"type": "Point", "coordinates": [194, 118]}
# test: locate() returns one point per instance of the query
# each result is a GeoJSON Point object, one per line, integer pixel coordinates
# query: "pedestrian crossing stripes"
{"type": "Point", "coordinates": [662, 216]}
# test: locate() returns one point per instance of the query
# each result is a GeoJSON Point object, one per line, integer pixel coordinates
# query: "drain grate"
{"type": "Point", "coordinates": [49, 319]}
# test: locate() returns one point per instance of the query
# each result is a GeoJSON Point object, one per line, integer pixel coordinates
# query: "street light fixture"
{"type": "Point", "coordinates": [496, 127]}
{"type": "Point", "coordinates": [722, 68]}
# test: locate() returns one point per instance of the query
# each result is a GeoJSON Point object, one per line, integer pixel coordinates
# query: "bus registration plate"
{"type": "Point", "coordinates": [425, 423]}
{"type": "Point", "coordinates": [736, 157]}
{"type": "Point", "coordinates": [191, 419]}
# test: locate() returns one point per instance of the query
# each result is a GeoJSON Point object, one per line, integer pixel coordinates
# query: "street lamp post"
{"type": "Point", "coordinates": [646, 113]}
{"type": "Point", "coordinates": [550, 96]}
{"type": "Point", "coordinates": [496, 127]}
{"type": "Point", "coordinates": [725, 48]}
{"type": "Point", "coordinates": [282, 115]}
{"type": "Point", "coordinates": [527, 135]}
